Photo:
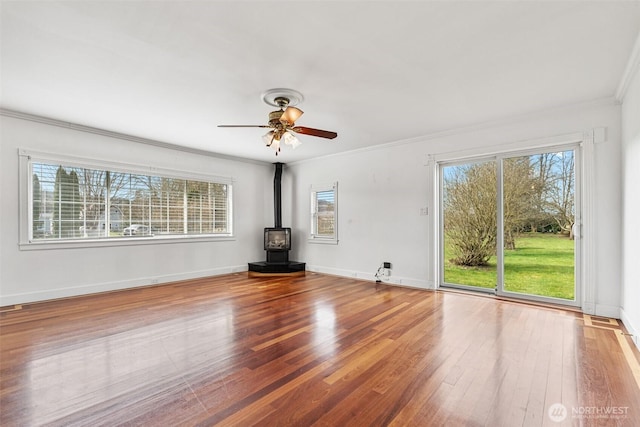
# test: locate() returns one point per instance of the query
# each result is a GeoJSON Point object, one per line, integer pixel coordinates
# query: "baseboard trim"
{"type": "Point", "coordinates": [633, 329]}
{"type": "Point", "coordinates": [407, 282]}
{"type": "Point", "coordinates": [72, 291]}
{"type": "Point", "coordinates": [611, 311]}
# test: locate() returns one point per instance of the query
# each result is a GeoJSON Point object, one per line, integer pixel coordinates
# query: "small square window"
{"type": "Point", "coordinates": [324, 214]}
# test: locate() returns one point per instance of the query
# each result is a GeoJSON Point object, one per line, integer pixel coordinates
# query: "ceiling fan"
{"type": "Point", "coordinates": [282, 121]}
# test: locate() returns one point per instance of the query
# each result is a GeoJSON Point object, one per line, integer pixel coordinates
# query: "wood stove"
{"type": "Point", "coordinates": [277, 243]}
{"type": "Point", "coordinates": [277, 239]}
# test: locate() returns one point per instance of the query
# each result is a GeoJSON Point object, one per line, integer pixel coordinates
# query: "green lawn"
{"type": "Point", "coordinates": [542, 264]}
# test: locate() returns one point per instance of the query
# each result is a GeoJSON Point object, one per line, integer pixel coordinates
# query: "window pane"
{"type": "Point", "coordinates": [539, 214]}
{"type": "Point", "coordinates": [469, 224]}
{"type": "Point", "coordinates": [44, 177]}
{"type": "Point", "coordinates": [325, 213]}
{"type": "Point", "coordinates": [95, 202]}
{"type": "Point", "coordinates": [77, 203]}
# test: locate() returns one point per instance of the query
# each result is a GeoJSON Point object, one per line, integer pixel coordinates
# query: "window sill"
{"type": "Point", "coordinates": [322, 241]}
{"type": "Point", "coordinates": [117, 241]}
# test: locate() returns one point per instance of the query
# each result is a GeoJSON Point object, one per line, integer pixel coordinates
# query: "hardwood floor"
{"type": "Point", "coordinates": [314, 350]}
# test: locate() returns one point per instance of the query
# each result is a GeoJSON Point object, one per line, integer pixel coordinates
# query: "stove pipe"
{"type": "Point", "coordinates": [277, 195]}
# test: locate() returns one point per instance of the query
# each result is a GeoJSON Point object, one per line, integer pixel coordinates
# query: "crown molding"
{"type": "Point", "coordinates": [98, 131]}
{"type": "Point", "coordinates": [629, 72]}
{"type": "Point", "coordinates": [505, 121]}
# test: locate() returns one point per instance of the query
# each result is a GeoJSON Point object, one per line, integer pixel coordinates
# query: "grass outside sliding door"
{"type": "Point", "coordinates": [542, 264]}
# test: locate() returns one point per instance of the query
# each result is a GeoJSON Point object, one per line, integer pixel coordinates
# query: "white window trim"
{"type": "Point", "coordinates": [312, 222]}
{"type": "Point", "coordinates": [25, 202]}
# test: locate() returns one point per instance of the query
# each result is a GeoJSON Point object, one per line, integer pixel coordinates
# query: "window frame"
{"type": "Point", "coordinates": [313, 235]}
{"type": "Point", "coordinates": [26, 241]}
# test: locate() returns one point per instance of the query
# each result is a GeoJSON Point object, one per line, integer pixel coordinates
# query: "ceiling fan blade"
{"type": "Point", "coordinates": [314, 132]}
{"type": "Point", "coordinates": [290, 115]}
{"type": "Point", "coordinates": [244, 126]}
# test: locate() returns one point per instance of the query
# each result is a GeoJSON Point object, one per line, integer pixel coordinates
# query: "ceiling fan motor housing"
{"type": "Point", "coordinates": [274, 117]}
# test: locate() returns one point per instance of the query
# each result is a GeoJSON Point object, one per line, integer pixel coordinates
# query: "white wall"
{"type": "Point", "coordinates": [32, 275]}
{"type": "Point", "coordinates": [380, 193]}
{"type": "Point", "coordinates": [382, 190]}
{"type": "Point", "coordinates": [631, 207]}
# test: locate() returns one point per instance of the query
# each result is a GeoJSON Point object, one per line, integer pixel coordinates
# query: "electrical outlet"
{"type": "Point", "coordinates": [386, 265]}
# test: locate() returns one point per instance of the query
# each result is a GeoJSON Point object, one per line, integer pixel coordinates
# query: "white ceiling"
{"type": "Point", "coordinates": [375, 72]}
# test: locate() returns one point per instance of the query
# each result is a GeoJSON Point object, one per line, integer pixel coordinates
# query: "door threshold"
{"type": "Point", "coordinates": [512, 300]}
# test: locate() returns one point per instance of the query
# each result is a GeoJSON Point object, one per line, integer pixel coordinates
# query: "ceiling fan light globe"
{"type": "Point", "coordinates": [291, 140]}
{"type": "Point", "coordinates": [290, 115]}
{"type": "Point", "coordinates": [268, 138]}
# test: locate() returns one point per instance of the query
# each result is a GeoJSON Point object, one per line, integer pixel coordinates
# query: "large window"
{"type": "Point", "coordinates": [69, 201]}
{"type": "Point", "coordinates": [324, 214]}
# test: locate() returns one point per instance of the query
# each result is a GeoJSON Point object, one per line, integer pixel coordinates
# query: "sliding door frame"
{"type": "Point", "coordinates": [441, 244]}
{"type": "Point", "coordinates": [582, 144]}
{"type": "Point", "coordinates": [577, 159]}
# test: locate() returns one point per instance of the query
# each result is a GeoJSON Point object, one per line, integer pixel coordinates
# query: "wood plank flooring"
{"type": "Point", "coordinates": [317, 350]}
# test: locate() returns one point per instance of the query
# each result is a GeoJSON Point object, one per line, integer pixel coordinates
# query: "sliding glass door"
{"type": "Point", "coordinates": [508, 225]}
{"type": "Point", "coordinates": [469, 212]}
{"type": "Point", "coordinates": [539, 213]}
